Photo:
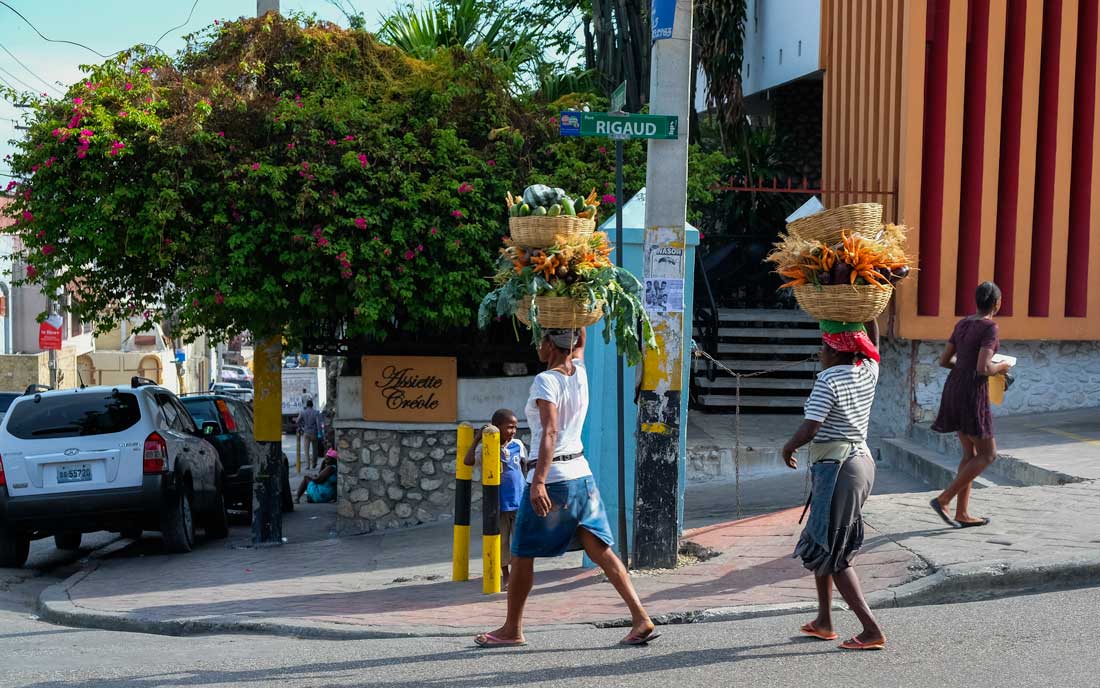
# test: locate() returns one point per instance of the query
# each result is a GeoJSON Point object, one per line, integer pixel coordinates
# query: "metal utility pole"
{"type": "Point", "coordinates": [656, 509]}
{"type": "Point", "coordinates": [267, 513]}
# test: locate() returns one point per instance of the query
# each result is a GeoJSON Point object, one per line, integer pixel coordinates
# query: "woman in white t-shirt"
{"type": "Point", "coordinates": [561, 509]}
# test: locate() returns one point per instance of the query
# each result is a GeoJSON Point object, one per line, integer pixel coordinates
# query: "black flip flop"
{"type": "Point", "coordinates": [973, 524]}
{"type": "Point", "coordinates": [938, 508]}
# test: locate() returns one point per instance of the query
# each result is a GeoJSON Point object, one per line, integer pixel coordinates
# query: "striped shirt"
{"type": "Point", "coordinates": [841, 401]}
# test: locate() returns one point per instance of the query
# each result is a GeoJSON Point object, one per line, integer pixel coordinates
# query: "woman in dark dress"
{"type": "Point", "coordinates": [964, 407]}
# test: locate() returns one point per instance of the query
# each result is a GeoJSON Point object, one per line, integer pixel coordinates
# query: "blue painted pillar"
{"type": "Point", "coordinates": [600, 433]}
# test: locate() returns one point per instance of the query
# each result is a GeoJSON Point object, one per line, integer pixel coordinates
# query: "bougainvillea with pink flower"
{"type": "Point", "coordinates": [233, 209]}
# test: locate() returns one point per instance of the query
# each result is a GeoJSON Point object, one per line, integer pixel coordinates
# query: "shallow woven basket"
{"type": "Point", "coordinates": [856, 303]}
{"type": "Point", "coordinates": [562, 312]}
{"type": "Point", "coordinates": [827, 226]}
{"type": "Point", "coordinates": [540, 232]}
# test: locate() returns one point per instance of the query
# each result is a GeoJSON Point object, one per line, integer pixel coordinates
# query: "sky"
{"type": "Point", "coordinates": [110, 25]}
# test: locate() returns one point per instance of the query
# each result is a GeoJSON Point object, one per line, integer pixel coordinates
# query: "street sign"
{"type": "Point", "coordinates": [618, 98]}
{"type": "Point", "coordinates": [619, 126]}
{"type": "Point", "coordinates": [662, 16]}
{"type": "Point", "coordinates": [49, 337]}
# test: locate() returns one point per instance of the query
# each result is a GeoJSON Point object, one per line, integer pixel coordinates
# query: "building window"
{"type": "Point", "coordinates": [781, 56]}
{"type": "Point", "coordinates": [800, 48]}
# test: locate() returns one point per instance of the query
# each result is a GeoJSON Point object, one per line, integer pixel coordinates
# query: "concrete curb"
{"type": "Point", "coordinates": [959, 583]}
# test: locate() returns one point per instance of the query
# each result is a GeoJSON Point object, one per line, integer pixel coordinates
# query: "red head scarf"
{"type": "Point", "coordinates": [852, 341]}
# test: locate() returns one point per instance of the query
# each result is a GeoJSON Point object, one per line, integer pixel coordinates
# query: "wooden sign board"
{"type": "Point", "coordinates": [410, 389]}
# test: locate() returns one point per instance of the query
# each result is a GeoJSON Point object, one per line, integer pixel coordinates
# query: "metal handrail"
{"type": "Point", "coordinates": [710, 312]}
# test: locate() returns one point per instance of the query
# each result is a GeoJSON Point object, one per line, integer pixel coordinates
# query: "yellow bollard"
{"type": "Point", "coordinates": [490, 509]}
{"type": "Point", "coordinates": [464, 475]}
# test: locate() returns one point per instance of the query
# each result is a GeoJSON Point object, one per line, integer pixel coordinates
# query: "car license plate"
{"type": "Point", "coordinates": [74, 473]}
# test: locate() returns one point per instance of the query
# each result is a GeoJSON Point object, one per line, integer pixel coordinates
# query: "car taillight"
{"type": "Point", "coordinates": [155, 457]}
{"type": "Point", "coordinates": [3, 480]}
{"type": "Point", "coordinates": [227, 419]}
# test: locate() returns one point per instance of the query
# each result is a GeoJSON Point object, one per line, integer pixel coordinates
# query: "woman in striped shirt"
{"type": "Point", "coordinates": [838, 413]}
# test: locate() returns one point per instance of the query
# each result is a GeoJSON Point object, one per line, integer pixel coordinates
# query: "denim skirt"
{"type": "Point", "coordinates": [576, 505]}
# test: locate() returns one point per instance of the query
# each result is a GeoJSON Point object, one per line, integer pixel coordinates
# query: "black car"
{"type": "Point", "coordinates": [236, 445]}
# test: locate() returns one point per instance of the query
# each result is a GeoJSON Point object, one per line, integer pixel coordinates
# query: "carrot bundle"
{"type": "Point", "coordinates": [857, 259]}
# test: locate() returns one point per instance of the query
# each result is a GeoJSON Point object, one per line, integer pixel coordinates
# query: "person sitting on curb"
{"type": "Point", "coordinates": [322, 488]}
{"type": "Point", "coordinates": [513, 459]}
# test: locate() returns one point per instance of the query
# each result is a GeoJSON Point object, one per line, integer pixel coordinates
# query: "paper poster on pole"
{"type": "Point", "coordinates": [664, 295]}
{"type": "Point", "coordinates": [666, 262]}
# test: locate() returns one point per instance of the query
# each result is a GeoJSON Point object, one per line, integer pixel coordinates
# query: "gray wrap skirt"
{"type": "Point", "coordinates": [826, 550]}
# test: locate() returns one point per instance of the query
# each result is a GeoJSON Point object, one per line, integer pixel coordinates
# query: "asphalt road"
{"type": "Point", "coordinates": [1036, 640]}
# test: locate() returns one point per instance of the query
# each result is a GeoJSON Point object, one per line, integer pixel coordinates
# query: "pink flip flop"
{"type": "Point", "coordinates": [811, 630]}
{"type": "Point", "coordinates": [857, 644]}
{"type": "Point", "coordinates": [634, 639]}
{"type": "Point", "coordinates": [490, 640]}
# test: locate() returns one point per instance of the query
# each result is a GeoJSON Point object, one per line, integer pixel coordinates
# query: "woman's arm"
{"type": "Point", "coordinates": [582, 339]}
{"type": "Point", "coordinates": [325, 474]}
{"type": "Point", "coordinates": [804, 435]}
{"type": "Point", "coordinates": [987, 367]}
{"type": "Point", "coordinates": [947, 358]}
{"type": "Point", "coordinates": [548, 414]}
{"type": "Point", "coordinates": [872, 331]}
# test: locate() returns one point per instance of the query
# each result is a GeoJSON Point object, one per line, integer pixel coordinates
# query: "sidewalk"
{"type": "Point", "coordinates": [398, 583]}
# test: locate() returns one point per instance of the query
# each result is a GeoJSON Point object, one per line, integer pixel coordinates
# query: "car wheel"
{"type": "Point", "coordinates": [177, 522]}
{"type": "Point", "coordinates": [14, 548]}
{"type": "Point", "coordinates": [287, 495]}
{"type": "Point", "coordinates": [217, 522]}
{"type": "Point", "coordinates": [67, 540]}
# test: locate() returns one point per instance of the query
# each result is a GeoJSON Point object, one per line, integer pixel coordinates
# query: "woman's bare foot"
{"type": "Point", "coordinates": [502, 636]}
{"type": "Point", "coordinates": [641, 629]}
{"type": "Point", "coordinates": [871, 636]}
{"type": "Point", "coordinates": [819, 629]}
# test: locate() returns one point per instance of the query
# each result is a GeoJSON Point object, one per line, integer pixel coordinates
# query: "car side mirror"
{"type": "Point", "coordinates": [210, 427]}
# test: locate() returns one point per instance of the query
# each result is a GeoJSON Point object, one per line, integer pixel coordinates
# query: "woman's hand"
{"type": "Point", "coordinates": [540, 501]}
{"type": "Point", "coordinates": [789, 457]}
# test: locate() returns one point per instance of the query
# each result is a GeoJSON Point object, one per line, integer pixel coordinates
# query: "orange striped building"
{"type": "Point", "coordinates": [977, 124]}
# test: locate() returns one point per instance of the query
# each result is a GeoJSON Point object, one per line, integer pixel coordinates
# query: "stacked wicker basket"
{"type": "Point", "coordinates": [859, 300]}
{"type": "Point", "coordinates": [539, 232]}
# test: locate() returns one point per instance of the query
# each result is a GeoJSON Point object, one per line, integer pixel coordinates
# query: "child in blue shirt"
{"type": "Point", "coordinates": [513, 460]}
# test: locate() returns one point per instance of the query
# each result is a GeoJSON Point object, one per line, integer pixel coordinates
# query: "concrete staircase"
{"type": "Point", "coordinates": [748, 341]}
{"type": "Point", "coordinates": [934, 458]}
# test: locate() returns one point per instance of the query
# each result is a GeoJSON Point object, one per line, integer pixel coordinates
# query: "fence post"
{"type": "Point", "coordinates": [460, 558]}
{"type": "Point", "coordinates": [490, 510]}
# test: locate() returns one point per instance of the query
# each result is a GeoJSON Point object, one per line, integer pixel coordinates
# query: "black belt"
{"type": "Point", "coordinates": [568, 457]}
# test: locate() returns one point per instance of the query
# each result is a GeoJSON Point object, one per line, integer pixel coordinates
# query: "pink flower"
{"type": "Point", "coordinates": [75, 121]}
{"type": "Point", "coordinates": [34, 168]}
{"type": "Point", "coordinates": [123, 113]}
{"type": "Point", "coordinates": [215, 22]}
{"type": "Point", "coordinates": [11, 185]}
{"type": "Point", "coordinates": [87, 132]}
{"type": "Point", "coordinates": [409, 255]}
{"type": "Point", "coordinates": [129, 86]}
{"type": "Point", "coordinates": [317, 233]}
{"type": "Point", "coordinates": [361, 222]}
{"type": "Point", "coordinates": [420, 248]}
{"type": "Point", "coordinates": [116, 148]}
{"type": "Point", "coordinates": [456, 213]}
{"type": "Point", "coordinates": [332, 142]}
{"type": "Point", "coordinates": [32, 272]}
{"type": "Point", "coordinates": [491, 163]}
{"type": "Point", "coordinates": [362, 160]}
{"type": "Point", "coordinates": [78, 101]}
{"type": "Point", "coordinates": [48, 250]}
{"type": "Point", "coordinates": [146, 70]}
{"type": "Point", "coordinates": [255, 166]}
{"type": "Point", "coordinates": [377, 238]}
{"type": "Point", "coordinates": [298, 237]}
{"type": "Point", "coordinates": [434, 231]}
{"type": "Point", "coordinates": [195, 303]}
{"type": "Point", "coordinates": [168, 242]}
{"type": "Point", "coordinates": [290, 146]}
{"type": "Point", "coordinates": [28, 216]}
{"type": "Point", "coordinates": [608, 198]}
{"type": "Point", "coordinates": [346, 274]}
{"type": "Point", "coordinates": [149, 101]}
{"type": "Point", "coordinates": [322, 242]}
{"type": "Point", "coordinates": [50, 161]}
{"type": "Point", "coordinates": [221, 134]}
{"type": "Point", "coordinates": [387, 252]}
{"type": "Point", "coordinates": [41, 234]}
{"type": "Point", "coordinates": [219, 298]}
{"type": "Point", "coordinates": [82, 153]}
{"type": "Point", "coordinates": [349, 137]}
{"type": "Point", "coordinates": [603, 151]}
{"type": "Point", "coordinates": [457, 242]}
{"type": "Point", "coordinates": [464, 188]}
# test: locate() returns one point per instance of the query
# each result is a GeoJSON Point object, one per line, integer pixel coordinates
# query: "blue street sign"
{"type": "Point", "coordinates": [662, 15]}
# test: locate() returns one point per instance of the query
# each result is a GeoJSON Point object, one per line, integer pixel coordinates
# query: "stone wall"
{"type": "Point", "coordinates": [1050, 376]}
{"type": "Point", "coordinates": [396, 475]}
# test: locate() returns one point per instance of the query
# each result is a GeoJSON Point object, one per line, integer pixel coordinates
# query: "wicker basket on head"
{"type": "Point", "coordinates": [562, 312]}
{"type": "Point", "coordinates": [855, 303]}
{"type": "Point", "coordinates": [540, 232]}
{"type": "Point", "coordinates": [827, 226]}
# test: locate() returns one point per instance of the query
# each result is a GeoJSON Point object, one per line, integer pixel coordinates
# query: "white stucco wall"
{"type": "Point", "coordinates": [782, 42]}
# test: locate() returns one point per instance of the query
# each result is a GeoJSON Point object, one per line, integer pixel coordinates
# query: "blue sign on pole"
{"type": "Point", "coordinates": [662, 15]}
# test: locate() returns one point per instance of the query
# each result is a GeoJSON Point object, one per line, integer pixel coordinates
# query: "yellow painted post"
{"type": "Point", "coordinates": [267, 518]}
{"type": "Point", "coordinates": [490, 509]}
{"type": "Point", "coordinates": [464, 475]}
{"type": "Point", "coordinates": [298, 453]}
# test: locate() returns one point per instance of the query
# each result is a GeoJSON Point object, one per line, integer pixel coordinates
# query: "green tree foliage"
{"type": "Point", "coordinates": [281, 173]}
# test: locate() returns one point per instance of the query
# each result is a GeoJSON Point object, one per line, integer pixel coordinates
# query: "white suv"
{"type": "Point", "coordinates": [123, 459]}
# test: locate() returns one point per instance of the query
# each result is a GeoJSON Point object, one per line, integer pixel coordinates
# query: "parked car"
{"type": "Point", "coordinates": [234, 439]}
{"type": "Point", "coordinates": [5, 401]}
{"type": "Point", "coordinates": [232, 389]}
{"type": "Point", "coordinates": [122, 459]}
{"type": "Point", "coordinates": [238, 374]}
